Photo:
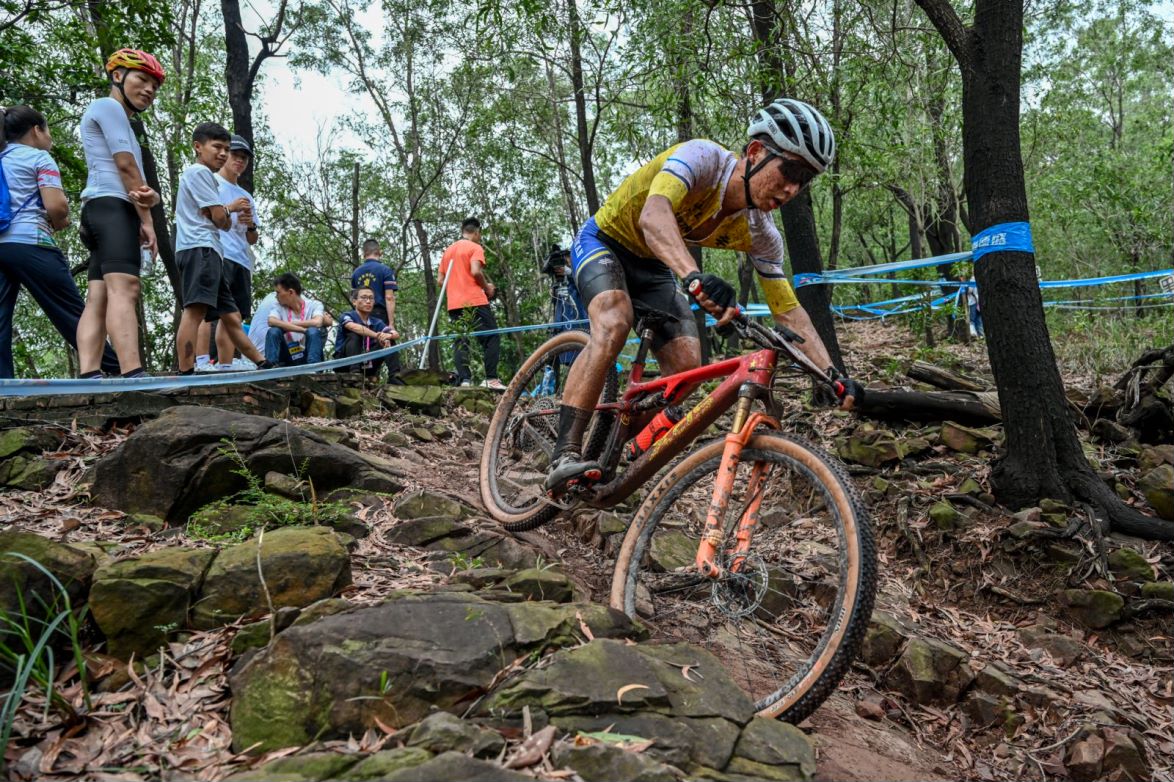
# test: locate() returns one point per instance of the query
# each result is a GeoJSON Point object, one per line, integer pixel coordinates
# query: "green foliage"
{"type": "Point", "coordinates": [461, 561]}
{"type": "Point", "coordinates": [27, 651]}
{"type": "Point", "coordinates": [263, 510]}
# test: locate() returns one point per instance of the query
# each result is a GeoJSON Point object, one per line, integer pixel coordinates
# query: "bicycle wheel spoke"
{"type": "Point", "coordinates": [774, 616]}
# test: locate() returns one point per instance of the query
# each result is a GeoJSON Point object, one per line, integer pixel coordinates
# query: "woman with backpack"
{"type": "Point", "coordinates": [32, 208]}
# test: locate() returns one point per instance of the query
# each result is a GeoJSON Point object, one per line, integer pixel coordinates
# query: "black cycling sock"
{"type": "Point", "coordinates": [95, 375]}
{"type": "Point", "coordinates": [136, 372]}
{"type": "Point", "coordinates": [572, 422]}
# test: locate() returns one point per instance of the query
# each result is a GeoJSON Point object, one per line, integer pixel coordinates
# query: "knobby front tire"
{"type": "Point", "coordinates": [789, 624]}
{"type": "Point", "coordinates": [522, 434]}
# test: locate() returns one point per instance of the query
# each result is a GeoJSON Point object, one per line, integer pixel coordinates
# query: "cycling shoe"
{"type": "Point", "coordinates": [568, 470]}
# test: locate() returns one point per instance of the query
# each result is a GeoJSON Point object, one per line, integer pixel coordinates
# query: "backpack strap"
{"type": "Point", "coordinates": [35, 194]}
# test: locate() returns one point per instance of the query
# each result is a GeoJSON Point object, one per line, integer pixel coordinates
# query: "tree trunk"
{"type": "Point", "coordinates": [429, 288]}
{"type": "Point", "coordinates": [585, 152]}
{"type": "Point", "coordinates": [1043, 456]}
{"type": "Point", "coordinates": [158, 214]}
{"type": "Point", "coordinates": [239, 77]}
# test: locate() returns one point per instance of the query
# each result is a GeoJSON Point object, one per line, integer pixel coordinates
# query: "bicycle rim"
{"type": "Point", "coordinates": [788, 625]}
{"type": "Point", "coordinates": [522, 435]}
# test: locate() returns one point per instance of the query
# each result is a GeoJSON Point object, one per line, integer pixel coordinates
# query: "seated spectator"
{"type": "Point", "coordinates": [359, 332]}
{"type": "Point", "coordinates": [295, 325]}
{"type": "Point", "coordinates": [259, 327]}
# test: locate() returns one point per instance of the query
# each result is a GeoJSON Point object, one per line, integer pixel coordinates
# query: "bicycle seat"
{"type": "Point", "coordinates": [652, 319]}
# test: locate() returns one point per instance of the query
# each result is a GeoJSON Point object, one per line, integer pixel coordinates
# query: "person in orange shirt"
{"type": "Point", "coordinates": [468, 294]}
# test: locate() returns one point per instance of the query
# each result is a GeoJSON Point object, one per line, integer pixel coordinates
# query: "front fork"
{"type": "Point", "coordinates": [745, 423]}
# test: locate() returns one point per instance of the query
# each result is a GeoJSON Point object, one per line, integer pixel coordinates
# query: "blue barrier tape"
{"type": "Point", "coordinates": [1004, 237]}
{"type": "Point", "coordinates": [880, 268]}
{"type": "Point", "coordinates": [51, 387]}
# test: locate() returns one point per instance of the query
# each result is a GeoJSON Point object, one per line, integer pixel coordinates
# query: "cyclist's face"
{"type": "Point", "coordinates": [140, 88]}
{"type": "Point", "coordinates": [771, 187]}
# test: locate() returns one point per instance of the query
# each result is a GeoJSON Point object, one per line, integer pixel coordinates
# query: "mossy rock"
{"type": "Point", "coordinates": [30, 473]}
{"type": "Point", "coordinates": [964, 439]}
{"type": "Point", "coordinates": [396, 439]}
{"type": "Point", "coordinates": [777, 749]}
{"type": "Point", "coordinates": [27, 439]}
{"type": "Point", "coordinates": [1095, 608]}
{"type": "Point", "coordinates": [444, 732]}
{"type": "Point", "coordinates": [945, 516]}
{"type": "Point", "coordinates": [1129, 565]}
{"type": "Point", "coordinates": [672, 549]}
{"type": "Point", "coordinates": [310, 767]}
{"type": "Point", "coordinates": [382, 765]}
{"type": "Point", "coordinates": [883, 639]}
{"type": "Point", "coordinates": [1158, 487]}
{"type": "Point", "coordinates": [604, 763]}
{"type": "Point", "coordinates": [427, 504]}
{"type": "Point", "coordinates": [930, 672]}
{"type": "Point", "coordinates": [19, 579]}
{"type": "Point", "coordinates": [1158, 590]}
{"type": "Point", "coordinates": [541, 584]}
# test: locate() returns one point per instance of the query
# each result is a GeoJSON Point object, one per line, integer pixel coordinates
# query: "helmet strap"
{"type": "Point", "coordinates": [125, 99]}
{"type": "Point", "coordinates": [770, 155]}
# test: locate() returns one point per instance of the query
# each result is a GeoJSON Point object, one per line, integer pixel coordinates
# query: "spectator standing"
{"type": "Point", "coordinates": [200, 216]}
{"type": "Point", "coordinates": [295, 325]}
{"type": "Point", "coordinates": [972, 308]}
{"type": "Point", "coordinates": [116, 222]}
{"type": "Point", "coordinates": [468, 293]}
{"type": "Point", "coordinates": [566, 305]}
{"type": "Point", "coordinates": [29, 255]}
{"type": "Point", "coordinates": [361, 331]}
{"type": "Point", "coordinates": [373, 273]}
{"type": "Point", "coordinates": [236, 243]}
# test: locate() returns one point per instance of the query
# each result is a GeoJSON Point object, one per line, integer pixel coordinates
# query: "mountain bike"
{"type": "Point", "coordinates": [754, 545]}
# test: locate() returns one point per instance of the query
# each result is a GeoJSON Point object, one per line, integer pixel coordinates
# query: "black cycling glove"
{"type": "Point", "coordinates": [718, 290]}
{"type": "Point", "coordinates": [844, 386]}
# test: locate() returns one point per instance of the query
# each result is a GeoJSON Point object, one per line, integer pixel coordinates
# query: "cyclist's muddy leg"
{"type": "Point", "coordinates": [611, 320]}
{"type": "Point", "coordinates": [679, 355]}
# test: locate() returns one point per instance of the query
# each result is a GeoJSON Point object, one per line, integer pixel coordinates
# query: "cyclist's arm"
{"type": "Point", "coordinates": [798, 321]}
{"type": "Point", "coordinates": [663, 236]}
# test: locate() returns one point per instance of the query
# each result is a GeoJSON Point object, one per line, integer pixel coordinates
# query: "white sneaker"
{"type": "Point", "coordinates": [207, 367]}
{"type": "Point", "coordinates": [493, 384]}
{"type": "Point", "coordinates": [466, 384]}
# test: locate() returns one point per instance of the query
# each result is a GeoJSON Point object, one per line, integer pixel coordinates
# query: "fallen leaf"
{"type": "Point", "coordinates": [532, 749]}
{"type": "Point", "coordinates": [870, 709]}
{"type": "Point", "coordinates": [70, 524]}
{"type": "Point", "coordinates": [628, 688]}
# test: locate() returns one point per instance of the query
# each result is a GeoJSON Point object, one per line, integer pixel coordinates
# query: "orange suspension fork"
{"type": "Point", "coordinates": [744, 425]}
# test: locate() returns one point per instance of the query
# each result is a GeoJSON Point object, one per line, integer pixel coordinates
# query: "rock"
{"type": "Point", "coordinates": [964, 439]}
{"type": "Point", "coordinates": [1049, 505]}
{"type": "Point", "coordinates": [427, 529]}
{"type": "Point", "coordinates": [381, 765]}
{"type": "Point", "coordinates": [29, 440]}
{"type": "Point", "coordinates": [421, 433]}
{"type": "Point", "coordinates": [930, 672]}
{"type": "Point", "coordinates": [986, 710]}
{"type": "Point", "coordinates": [680, 741]}
{"type": "Point", "coordinates": [318, 406]}
{"type": "Point", "coordinates": [1028, 515]}
{"type": "Point", "coordinates": [138, 602]}
{"type": "Point", "coordinates": [440, 432]}
{"type": "Point", "coordinates": [1123, 757]}
{"type": "Point", "coordinates": [396, 440]}
{"type": "Point", "coordinates": [872, 448]}
{"type": "Point", "coordinates": [455, 765]}
{"type": "Point", "coordinates": [442, 732]}
{"type": "Point", "coordinates": [30, 473]}
{"type": "Point", "coordinates": [349, 406]}
{"type": "Point", "coordinates": [394, 663]}
{"type": "Point", "coordinates": [480, 578]}
{"type": "Point", "coordinates": [188, 455]}
{"type": "Point", "coordinates": [1129, 565]}
{"type": "Point", "coordinates": [781, 747]}
{"type": "Point", "coordinates": [1084, 758]}
{"type": "Point", "coordinates": [147, 521]}
{"type": "Point", "coordinates": [995, 680]}
{"type": "Point", "coordinates": [883, 639]}
{"type": "Point", "coordinates": [541, 584]}
{"type": "Point", "coordinates": [1093, 608]}
{"type": "Point", "coordinates": [1158, 487]}
{"type": "Point", "coordinates": [1155, 455]}
{"type": "Point", "coordinates": [425, 399]}
{"type": "Point", "coordinates": [310, 767]}
{"type": "Point", "coordinates": [603, 763]}
{"type": "Point", "coordinates": [673, 549]}
{"type": "Point", "coordinates": [490, 549]}
{"type": "Point", "coordinates": [970, 487]}
{"type": "Point", "coordinates": [426, 504]}
{"type": "Point", "coordinates": [479, 406]}
{"type": "Point", "coordinates": [945, 516]}
{"type": "Point", "coordinates": [20, 579]}
{"type": "Point", "coordinates": [1064, 650]}
{"type": "Point", "coordinates": [285, 485]}
{"type": "Point", "coordinates": [217, 521]}
{"type": "Point", "coordinates": [1110, 431]}
{"type": "Point", "coordinates": [301, 565]}
{"type": "Point", "coordinates": [1158, 590]}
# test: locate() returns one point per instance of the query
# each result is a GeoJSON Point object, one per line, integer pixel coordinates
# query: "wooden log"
{"type": "Point", "coordinates": [944, 378]}
{"type": "Point", "coordinates": [965, 407]}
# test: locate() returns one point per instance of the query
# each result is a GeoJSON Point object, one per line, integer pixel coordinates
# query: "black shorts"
{"type": "Point", "coordinates": [240, 282]}
{"type": "Point", "coordinates": [650, 285]}
{"type": "Point", "coordinates": [110, 231]}
{"type": "Point", "coordinates": [204, 281]}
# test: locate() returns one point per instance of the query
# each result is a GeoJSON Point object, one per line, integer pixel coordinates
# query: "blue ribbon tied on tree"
{"type": "Point", "coordinates": [1004, 237]}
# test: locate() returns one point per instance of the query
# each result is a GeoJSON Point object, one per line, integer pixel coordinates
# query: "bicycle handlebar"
{"type": "Point", "coordinates": [779, 338]}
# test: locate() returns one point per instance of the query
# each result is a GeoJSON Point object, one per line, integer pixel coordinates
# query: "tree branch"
{"type": "Point", "coordinates": [949, 25]}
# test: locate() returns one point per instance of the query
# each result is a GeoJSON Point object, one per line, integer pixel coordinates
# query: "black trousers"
{"type": "Point", "coordinates": [481, 319]}
{"type": "Point", "coordinates": [392, 361]}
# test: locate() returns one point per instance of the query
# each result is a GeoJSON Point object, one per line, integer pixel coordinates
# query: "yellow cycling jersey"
{"type": "Point", "coordinates": [693, 176]}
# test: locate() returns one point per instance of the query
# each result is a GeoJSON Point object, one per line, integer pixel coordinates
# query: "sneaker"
{"type": "Point", "coordinates": [568, 470]}
{"type": "Point", "coordinates": [206, 367]}
{"type": "Point", "coordinates": [466, 384]}
{"type": "Point", "coordinates": [493, 384]}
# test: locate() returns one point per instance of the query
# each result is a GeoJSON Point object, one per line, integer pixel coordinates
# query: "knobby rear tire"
{"type": "Point", "coordinates": [512, 514]}
{"type": "Point", "coordinates": [791, 556]}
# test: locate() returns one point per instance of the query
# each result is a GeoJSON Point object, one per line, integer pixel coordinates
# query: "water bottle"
{"type": "Point", "coordinates": [548, 382]}
{"type": "Point", "coordinates": [657, 428]}
{"type": "Point", "coordinates": [146, 260]}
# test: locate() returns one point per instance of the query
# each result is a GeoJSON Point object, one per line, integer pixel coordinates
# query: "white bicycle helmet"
{"type": "Point", "coordinates": [798, 128]}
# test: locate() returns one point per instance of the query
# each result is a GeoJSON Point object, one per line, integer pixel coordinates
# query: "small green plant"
{"type": "Point", "coordinates": [26, 649]}
{"type": "Point", "coordinates": [259, 509]}
{"type": "Point", "coordinates": [460, 561]}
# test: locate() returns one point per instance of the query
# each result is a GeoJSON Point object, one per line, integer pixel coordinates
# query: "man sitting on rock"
{"type": "Point", "coordinates": [295, 325]}
{"type": "Point", "coordinates": [359, 332]}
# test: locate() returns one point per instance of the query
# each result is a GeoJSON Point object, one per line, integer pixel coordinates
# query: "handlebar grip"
{"type": "Point", "coordinates": [694, 287]}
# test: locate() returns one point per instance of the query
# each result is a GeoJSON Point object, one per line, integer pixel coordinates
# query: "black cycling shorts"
{"type": "Point", "coordinates": [240, 282]}
{"type": "Point", "coordinates": [607, 265]}
{"type": "Point", "coordinates": [110, 231]}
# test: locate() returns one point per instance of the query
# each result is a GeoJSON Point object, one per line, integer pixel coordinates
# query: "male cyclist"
{"type": "Point", "coordinates": [631, 252]}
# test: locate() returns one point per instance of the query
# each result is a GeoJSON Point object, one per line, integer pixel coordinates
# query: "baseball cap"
{"type": "Point", "coordinates": [238, 144]}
